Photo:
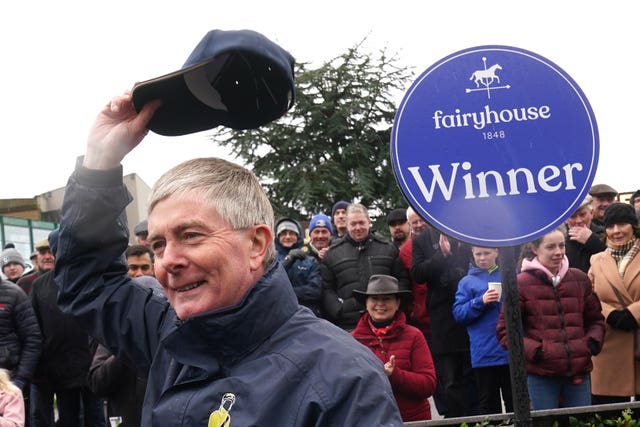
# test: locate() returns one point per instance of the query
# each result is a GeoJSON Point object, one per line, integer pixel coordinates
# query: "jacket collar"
{"type": "Point", "coordinates": [230, 333]}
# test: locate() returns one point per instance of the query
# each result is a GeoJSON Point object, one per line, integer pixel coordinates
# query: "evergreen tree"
{"type": "Point", "coordinates": [335, 142]}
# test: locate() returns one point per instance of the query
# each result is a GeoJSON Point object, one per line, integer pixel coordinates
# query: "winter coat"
{"type": "Point", "coordinates": [414, 378]}
{"type": "Point", "coordinates": [270, 361]}
{"type": "Point", "coordinates": [558, 321]}
{"type": "Point", "coordinates": [304, 274]}
{"type": "Point", "coordinates": [66, 354]}
{"type": "Point", "coordinates": [11, 409]}
{"type": "Point", "coordinates": [348, 266]}
{"type": "Point", "coordinates": [419, 315]}
{"type": "Point", "coordinates": [579, 254]}
{"type": "Point", "coordinates": [442, 275]}
{"type": "Point", "coordinates": [480, 318]}
{"type": "Point", "coordinates": [615, 372]}
{"type": "Point", "coordinates": [20, 339]}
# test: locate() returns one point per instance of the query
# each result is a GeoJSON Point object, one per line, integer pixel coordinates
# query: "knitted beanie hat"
{"type": "Point", "coordinates": [9, 256]}
{"type": "Point", "coordinates": [320, 220]}
{"type": "Point", "coordinates": [620, 213]}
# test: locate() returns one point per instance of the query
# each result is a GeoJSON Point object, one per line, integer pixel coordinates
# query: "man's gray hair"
{"type": "Point", "coordinates": [232, 190]}
{"type": "Point", "coordinates": [358, 208]}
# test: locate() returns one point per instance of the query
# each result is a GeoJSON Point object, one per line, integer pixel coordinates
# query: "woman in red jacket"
{"type": "Point", "coordinates": [401, 347]}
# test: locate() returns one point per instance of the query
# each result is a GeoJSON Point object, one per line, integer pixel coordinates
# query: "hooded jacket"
{"type": "Point", "coordinates": [304, 274]}
{"type": "Point", "coordinates": [480, 318]}
{"type": "Point", "coordinates": [263, 361]}
{"type": "Point", "coordinates": [558, 320]}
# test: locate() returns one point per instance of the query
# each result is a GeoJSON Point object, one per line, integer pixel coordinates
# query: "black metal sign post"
{"type": "Point", "coordinates": [513, 320]}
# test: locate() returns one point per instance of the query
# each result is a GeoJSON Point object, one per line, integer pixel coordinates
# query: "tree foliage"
{"type": "Point", "coordinates": [335, 143]}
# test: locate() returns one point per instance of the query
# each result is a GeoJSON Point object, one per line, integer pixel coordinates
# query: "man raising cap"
{"type": "Point", "coordinates": [230, 328]}
{"type": "Point", "coordinates": [603, 195]}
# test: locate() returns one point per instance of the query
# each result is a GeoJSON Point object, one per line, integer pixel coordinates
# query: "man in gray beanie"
{"type": "Point", "coordinates": [12, 264]}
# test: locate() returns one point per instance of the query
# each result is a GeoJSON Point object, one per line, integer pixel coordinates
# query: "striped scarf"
{"type": "Point", "coordinates": [624, 254]}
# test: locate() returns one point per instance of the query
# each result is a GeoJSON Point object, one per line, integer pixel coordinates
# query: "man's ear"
{"type": "Point", "coordinates": [261, 240]}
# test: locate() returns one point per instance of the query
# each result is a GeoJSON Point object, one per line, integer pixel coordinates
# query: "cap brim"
{"type": "Point", "coordinates": [237, 89]}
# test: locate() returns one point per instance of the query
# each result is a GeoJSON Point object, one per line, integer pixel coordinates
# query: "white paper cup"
{"type": "Point", "coordinates": [498, 287]}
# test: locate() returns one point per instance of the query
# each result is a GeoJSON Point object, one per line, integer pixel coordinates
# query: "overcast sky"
{"type": "Point", "coordinates": [62, 61]}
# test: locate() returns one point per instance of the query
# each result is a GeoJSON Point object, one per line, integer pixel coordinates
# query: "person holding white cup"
{"type": "Point", "coordinates": [477, 306]}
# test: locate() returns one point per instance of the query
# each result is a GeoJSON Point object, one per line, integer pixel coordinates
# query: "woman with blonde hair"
{"type": "Point", "coordinates": [11, 403]}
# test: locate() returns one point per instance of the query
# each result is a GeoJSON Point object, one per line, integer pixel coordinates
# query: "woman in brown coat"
{"type": "Point", "coordinates": [615, 274]}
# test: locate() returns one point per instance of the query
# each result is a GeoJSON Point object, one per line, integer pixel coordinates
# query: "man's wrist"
{"type": "Point", "coordinates": [97, 177]}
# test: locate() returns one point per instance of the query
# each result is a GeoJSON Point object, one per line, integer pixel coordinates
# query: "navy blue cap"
{"type": "Point", "coordinates": [238, 79]}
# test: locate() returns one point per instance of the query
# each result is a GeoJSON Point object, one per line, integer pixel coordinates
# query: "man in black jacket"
{"type": "Point", "coordinates": [64, 364]}
{"type": "Point", "coordinates": [349, 264]}
{"type": "Point", "coordinates": [441, 262]}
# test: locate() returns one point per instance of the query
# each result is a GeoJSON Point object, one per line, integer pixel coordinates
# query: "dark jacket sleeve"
{"type": "Point", "coordinates": [427, 261]}
{"type": "Point", "coordinates": [106, 372]}
{"type": "Point", "coordinates": [91, 273]}
{"type": "Point", "coordinates": [29, 335]}
{"type": "Point", "coordinates": [401, 273]}
{"type": "Point", "coordinates": [331, 302]}
{"type": "Point", "coordinates": [595, 244]}
{"type": "Point", "coordinates": [305, 278]}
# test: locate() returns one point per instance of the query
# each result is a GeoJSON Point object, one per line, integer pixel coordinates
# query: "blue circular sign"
{"type": "Point", "coordinates": [495, 145]}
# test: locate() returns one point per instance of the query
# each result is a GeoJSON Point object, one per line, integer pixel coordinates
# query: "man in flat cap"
{"type": "Point", "coordinates": [603, 195]}
{"type": "Point", "coordinates": [398, 226]}
{"type": "Point", "coordinates": [44, 262]}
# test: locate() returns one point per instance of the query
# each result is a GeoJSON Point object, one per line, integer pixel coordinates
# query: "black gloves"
{"type": "Point", "coordinates": [539, 354]}
{"type": "Point", "coordinates": [623, 320]}
{"type": "Point", "coordinates": [293, 255]}
{"type": "Point", "coordinates": [594, 347]}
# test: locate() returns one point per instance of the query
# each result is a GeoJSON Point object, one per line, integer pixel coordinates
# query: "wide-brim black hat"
{"type": "Point", "coordinates": [380, 284]}
{"type": "Point", "coordinates": [238, 79]}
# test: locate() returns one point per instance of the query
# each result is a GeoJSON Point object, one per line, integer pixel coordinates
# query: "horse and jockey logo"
{"type": "Point", "coordinates": [485, 78]}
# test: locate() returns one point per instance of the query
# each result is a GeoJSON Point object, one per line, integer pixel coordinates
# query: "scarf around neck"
{"type": "Point", "coordinates": [624, 254]}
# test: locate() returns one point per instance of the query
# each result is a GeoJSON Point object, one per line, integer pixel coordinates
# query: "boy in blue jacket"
{"type": "Point", "coordinates": [477, 306]}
